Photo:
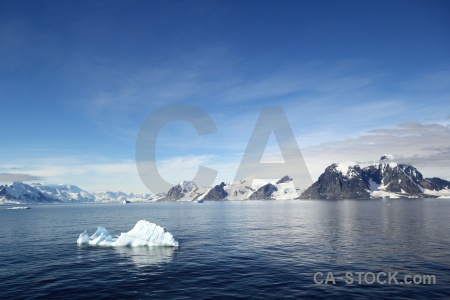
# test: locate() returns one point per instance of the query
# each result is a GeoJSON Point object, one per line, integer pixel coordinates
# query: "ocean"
{"type": "Point", "coordinates": [231, 250]}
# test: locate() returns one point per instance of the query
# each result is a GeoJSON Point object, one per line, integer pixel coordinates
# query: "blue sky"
{"type": "Point", "coordinates": [356, 79]}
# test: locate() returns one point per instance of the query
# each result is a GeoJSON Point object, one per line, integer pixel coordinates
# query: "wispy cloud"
{"type": "Point", "coordinates": [94, 174]}
{"type": "Point", "coordinates": [324, 101]}
{"type": "Point", "coordinates": [82, 171]}
{"type": "Point", "coordinates": [423, 145]}
{"type": "Point", "coordinates": [179, 168]}
{"type": "Point", "coordinates": [11, 177]}
{"type": "Point", "coordinates": [118, 97]}
{"type": "Point", "coordinates": [309, 79]}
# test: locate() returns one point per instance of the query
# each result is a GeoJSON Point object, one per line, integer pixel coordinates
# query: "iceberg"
{"type": "Point", "coordinates": [144, 233]}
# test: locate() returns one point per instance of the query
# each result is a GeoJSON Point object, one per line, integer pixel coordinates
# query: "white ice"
{"type": "Point", "coordinates": [144, 233]}
{"type": "Point", "coordinates": [344, 168]}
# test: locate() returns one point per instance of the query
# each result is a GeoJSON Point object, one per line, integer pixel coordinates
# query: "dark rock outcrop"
{"type": "Point", "coordinates": [352, 182]}
{"type": "Point", "coordinates": [185, 189]}
{"type": "Point", "coordinates": [175, 193]}
{"type": "Point", "coordinates": [264, 192]}
{"type": "Point", "coordinates": [437, 183]}
{"type": "Point", "coordinates": [284, 179]}
{"type": "Point", "coordinates": [332, 184]}
{"type": "Point", "coordinates": [397, 178]}
{"type": "Point", "coordinates": [216, 193]}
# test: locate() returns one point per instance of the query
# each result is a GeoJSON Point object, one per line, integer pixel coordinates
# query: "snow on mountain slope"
{"type": "Point", "coordinates": [253, 188]}
{"type": "Point", "coordinates": [19, 192]}
{"type": "Point", "coordinates": [184, 191]}
{"type": "Point", "coordinates": [108, 196]}
{"type": "Point", "coordinates": [444, 193]}
{"type": "Point", "coordinates": [347, 168]}
{"type": "Point", "coordinates": [238, 190]}
{"type": "Point", "coordinates": [64, 192]}
{"type": "Point", "coordinates": [379, 190]}
{"type": "Point", "coordinates": [388, 178]}
{"type": "Point", "coordinates": [243, 189]}
{"type": "Point", "coordinates": [286, 191]}
{"type": "Point", "coordinates": [346, 180]}
{"type": "Point", "coordinates": [384, 179]}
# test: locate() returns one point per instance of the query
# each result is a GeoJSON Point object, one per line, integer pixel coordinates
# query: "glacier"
{"type": "Point", "coordinates": [144, 233]}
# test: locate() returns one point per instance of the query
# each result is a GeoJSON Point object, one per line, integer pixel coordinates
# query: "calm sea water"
{"type": "Point", "coordinates": [252, 249]}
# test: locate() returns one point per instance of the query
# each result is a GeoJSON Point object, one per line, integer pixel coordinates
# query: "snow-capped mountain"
{"type": "Point", "coordinates": [345, 180]}
{"type": "Point", "coordinates": [245, 189]}
{"type": "Point", "coordinates": [108, 196]}
{"type": "Point", "coordinates": [385, 178]}
{"type": "Point", "coordinates": [388, 178]}
{"type": "Point", "coordinates": [216, 193]}
{"type": "Point", "coordinates": [252, 189]}
{"type": "Point", "coordinates": [286, 189]}
{"type": "Point", "coordinates": [184, 191]}
{"type": "Point", "coordinates": [64, 192]}
{"type": "Point", "coordinates": [19, 192]}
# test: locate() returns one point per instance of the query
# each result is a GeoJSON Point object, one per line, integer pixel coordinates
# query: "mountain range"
{"type": "Point", "coordinates": [383, 179]}
{"type": "Point", "coordinates": [245, 189]}
{"type": "Point", "coordinates": [20, 192]}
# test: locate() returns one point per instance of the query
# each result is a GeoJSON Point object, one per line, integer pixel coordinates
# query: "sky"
{"type": "Point", "coordinates": [356, 79]}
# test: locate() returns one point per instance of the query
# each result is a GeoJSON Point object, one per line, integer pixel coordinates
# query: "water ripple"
{"type": "Point", "coordinates": [256, 250]}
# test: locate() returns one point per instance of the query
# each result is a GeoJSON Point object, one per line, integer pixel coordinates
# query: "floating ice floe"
{"type": "Point", "coordinates": [144, 233]}
{"type": "Point", "coordinates": [18, 207]}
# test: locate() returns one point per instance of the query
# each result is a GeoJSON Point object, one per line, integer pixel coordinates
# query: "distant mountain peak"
{"type": "Point", "coordinates": [264, 192]}
{"type": "Point", "coordinates": [20, 192]}
{"type": "Point", "coordinates": [216, 193]}
{"type": "Point", "coordinates": [386, 157]}
{"type": "Point", "coordinates": [185, 190]}
{"type": "Point", "coordinates": [285, 179]}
